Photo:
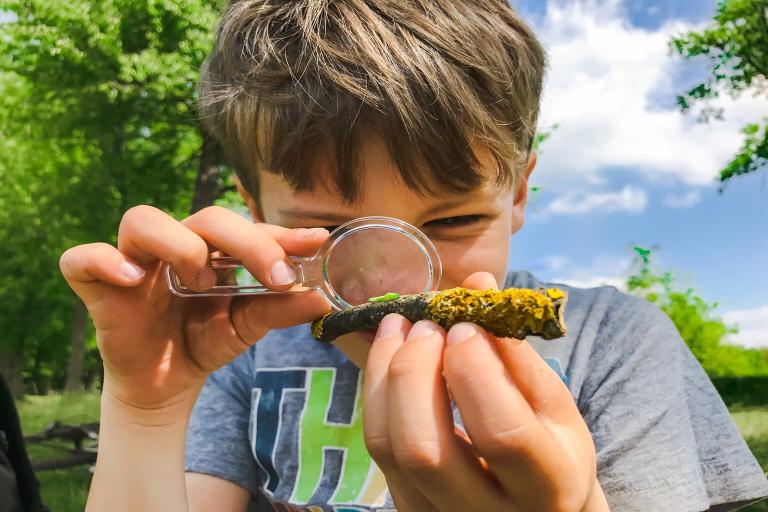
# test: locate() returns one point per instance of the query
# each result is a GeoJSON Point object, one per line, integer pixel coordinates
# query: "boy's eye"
{"type": "Point", "coordinates": [450, 222]}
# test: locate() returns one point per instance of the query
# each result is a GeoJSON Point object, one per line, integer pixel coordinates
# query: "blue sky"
{"type": "Point", "coordinates": [624, 167]}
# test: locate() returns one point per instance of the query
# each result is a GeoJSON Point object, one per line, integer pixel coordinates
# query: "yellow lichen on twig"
{"type": "Point", "coordinates": [514, 310]}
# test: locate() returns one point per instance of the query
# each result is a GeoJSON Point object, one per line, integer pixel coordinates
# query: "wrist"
{"type": "Point", "coordinates": [174, 410]}
{"type": "Point", "coordinates": [140, 464]}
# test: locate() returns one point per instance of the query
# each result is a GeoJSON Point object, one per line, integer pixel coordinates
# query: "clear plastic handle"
{"type": "Point", "coordinates": [234, 279]}
{"type": "Point", "coordinates": [362, 258]}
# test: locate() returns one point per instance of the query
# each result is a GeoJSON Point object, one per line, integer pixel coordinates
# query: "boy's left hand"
{"type": "Point", "coordinates": [528, 446]}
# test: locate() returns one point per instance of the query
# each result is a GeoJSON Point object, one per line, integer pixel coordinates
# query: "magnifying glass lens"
{"type": "Point", "coordinates": [361, 259]}
{"type": "Point", "coordinates": [369, 263]}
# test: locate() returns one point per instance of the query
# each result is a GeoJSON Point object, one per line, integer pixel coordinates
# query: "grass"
{"type": "Point", "coordinates": [753, 425]}
{"type": "Point", "coordinates": [63, 490]}
{"type": "Point", "coordinates": [66, 490]}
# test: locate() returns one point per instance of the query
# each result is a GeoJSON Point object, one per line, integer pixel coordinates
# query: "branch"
{"type": "Point", "coordinates": [510, 313]}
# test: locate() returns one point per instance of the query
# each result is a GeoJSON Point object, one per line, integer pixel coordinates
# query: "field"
{"type": "Point", "coordinates": [66, 490]}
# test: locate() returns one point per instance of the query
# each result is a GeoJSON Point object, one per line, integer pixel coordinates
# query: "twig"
{"type": "Point", "coordinates": [510, 313]}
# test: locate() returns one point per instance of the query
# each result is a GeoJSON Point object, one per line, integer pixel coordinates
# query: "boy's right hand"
{"type": "Point", "coordinates": [158, 348]}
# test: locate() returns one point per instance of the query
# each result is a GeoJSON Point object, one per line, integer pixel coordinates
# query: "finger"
{"type": "Point", "coordinates": [541, 387]}
{"type": "Point", "coordinates": [551, 402]}
{"type": "Point", "coordinates": [389, 338]}
{"type": "Point", "coordinates": [217, 332]}
{"type": "Point", "coordinates": [500, 422]}
{"type": "Point", "coordinates": [298, 241]}
{"type": "Point", "coordinates": [147, 234]}
{"type": "Point", "coordinates": [260, 247]}
{"type": "Point", "coordinates": [254, 316]}
{"type": "Point", "coordinates": [88, 268]}
{"type": "Point", "coordinates": [480, 281]}
{"type": "Point", "coordinates": [422, 429]}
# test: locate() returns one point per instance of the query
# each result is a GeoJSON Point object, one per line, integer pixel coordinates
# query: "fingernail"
{"type": "Point", "coordinates": [460, 332]}
{"type": "Point", "coordinates": [282, 273]}
{"type": "Point", "coordinates": [391, 325]}
{"type": "Point", "coordinates": [421, 329]}
{"type": "Point", "coordinates": [131, 270]}
{"type": "Point", "coordinates": [310, 232]}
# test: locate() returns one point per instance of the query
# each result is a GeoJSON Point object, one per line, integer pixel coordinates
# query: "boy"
{"type": "Point", "coordinates": [424, 110]}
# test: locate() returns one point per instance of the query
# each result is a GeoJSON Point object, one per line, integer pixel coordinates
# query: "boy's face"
{"type": "Point", "coordinates": [471, 231]}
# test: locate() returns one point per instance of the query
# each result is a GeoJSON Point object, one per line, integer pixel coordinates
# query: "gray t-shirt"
{"type": "Point", "coordinates": [283, 420]}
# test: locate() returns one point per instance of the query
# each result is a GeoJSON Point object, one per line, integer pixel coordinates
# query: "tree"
{"type": "Point", "coordinates": [700, 328]}
{"type": "Point", "coordinates": [737, 45]}
{"type": "Point", "coordinates": [98, 116]}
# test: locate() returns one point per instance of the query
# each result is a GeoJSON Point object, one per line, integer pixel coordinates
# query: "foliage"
{"type": "Point", "coordinates": [742, 391]}
{"type": "Point", "coordinates": [700, 328]}
{"type": "Point", "coordinates": [96, 115]}
{"type": "Point", "coordinates": [542, 136]}
{"type": "Point", "coordinates": [737, 45]}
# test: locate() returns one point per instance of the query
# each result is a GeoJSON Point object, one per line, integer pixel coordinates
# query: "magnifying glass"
{"type": "Point", "coordinates": [364, 258]}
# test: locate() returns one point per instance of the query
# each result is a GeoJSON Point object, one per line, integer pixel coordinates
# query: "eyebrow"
{"type": "Point", "coordinates": [446, 206]}
{"type": "Point", "coordinates": [300, 214]}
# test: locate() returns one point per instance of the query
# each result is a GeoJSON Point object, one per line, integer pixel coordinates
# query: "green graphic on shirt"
{"type": "Point", "coordinates": [315, 434]}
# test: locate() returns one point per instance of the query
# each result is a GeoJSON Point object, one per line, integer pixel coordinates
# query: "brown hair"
{"type": "Point", "coordinates": [291, 80]}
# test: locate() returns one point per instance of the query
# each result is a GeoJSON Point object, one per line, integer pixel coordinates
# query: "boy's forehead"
{"type": "Point", "coordinates": [382, 192]}
{"type": "Point", "coordinates": [377, 169]}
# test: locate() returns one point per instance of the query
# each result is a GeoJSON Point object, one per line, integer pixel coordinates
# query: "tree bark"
{"type": "Point", "coordinates": [78, 330]}
{"type": "Point", "coordinates": [11, 362]}
{"type": "Point", "coordinates": [209, 169]}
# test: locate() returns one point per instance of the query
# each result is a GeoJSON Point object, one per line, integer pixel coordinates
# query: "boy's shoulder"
{"type": "Point", "coordinates": [663, 437]}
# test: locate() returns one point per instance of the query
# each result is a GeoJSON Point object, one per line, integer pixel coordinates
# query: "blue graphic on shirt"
{"type": "Point", "coordinates": [270, 386]}
{"type": "Point", "coordinates": [554, 363]}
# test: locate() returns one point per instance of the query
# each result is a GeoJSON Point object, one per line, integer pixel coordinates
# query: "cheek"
{"type": "Point", "coordinates": [460, 258]}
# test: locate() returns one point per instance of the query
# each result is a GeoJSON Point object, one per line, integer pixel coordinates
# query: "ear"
{"type": "Point", "coordinates": [521, 195]}
{"type": "Point", "coordinates": [253, 207]}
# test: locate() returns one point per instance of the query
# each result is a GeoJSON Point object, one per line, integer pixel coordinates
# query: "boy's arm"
{"type": "Point", "coordinates": [140, 463]}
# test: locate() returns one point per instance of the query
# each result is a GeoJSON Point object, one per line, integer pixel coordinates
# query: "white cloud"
{"type": "Point", "coordinates": [629, 199]}
{"type": "Point", "coordinates": [546, 265]}
{"type": "Point", "coordinates": [600, 89]}
{"type": "Point", "coordinates": [753, 326]}
{"type": "Point", "coordinates": [687, 200]}
{"type": "Point", "coordinates": [556, 263]}
{"type": "Point", "coordinates": [606, 269]}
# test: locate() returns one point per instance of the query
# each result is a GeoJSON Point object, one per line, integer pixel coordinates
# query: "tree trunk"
{"type": "Point", "coordinates": [209, 169]}
{"type": "Point", "coordinates": [11, 362]}
{"type": "Point", "coordinates": [77, 348]}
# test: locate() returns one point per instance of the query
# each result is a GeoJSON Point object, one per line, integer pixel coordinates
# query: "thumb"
{"type": "Point", "coordinates": [480, 281]}
{"type": "Point", "coordinates": [253, 317]}
{"type": "Point", "coordinates": [222, 336]}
